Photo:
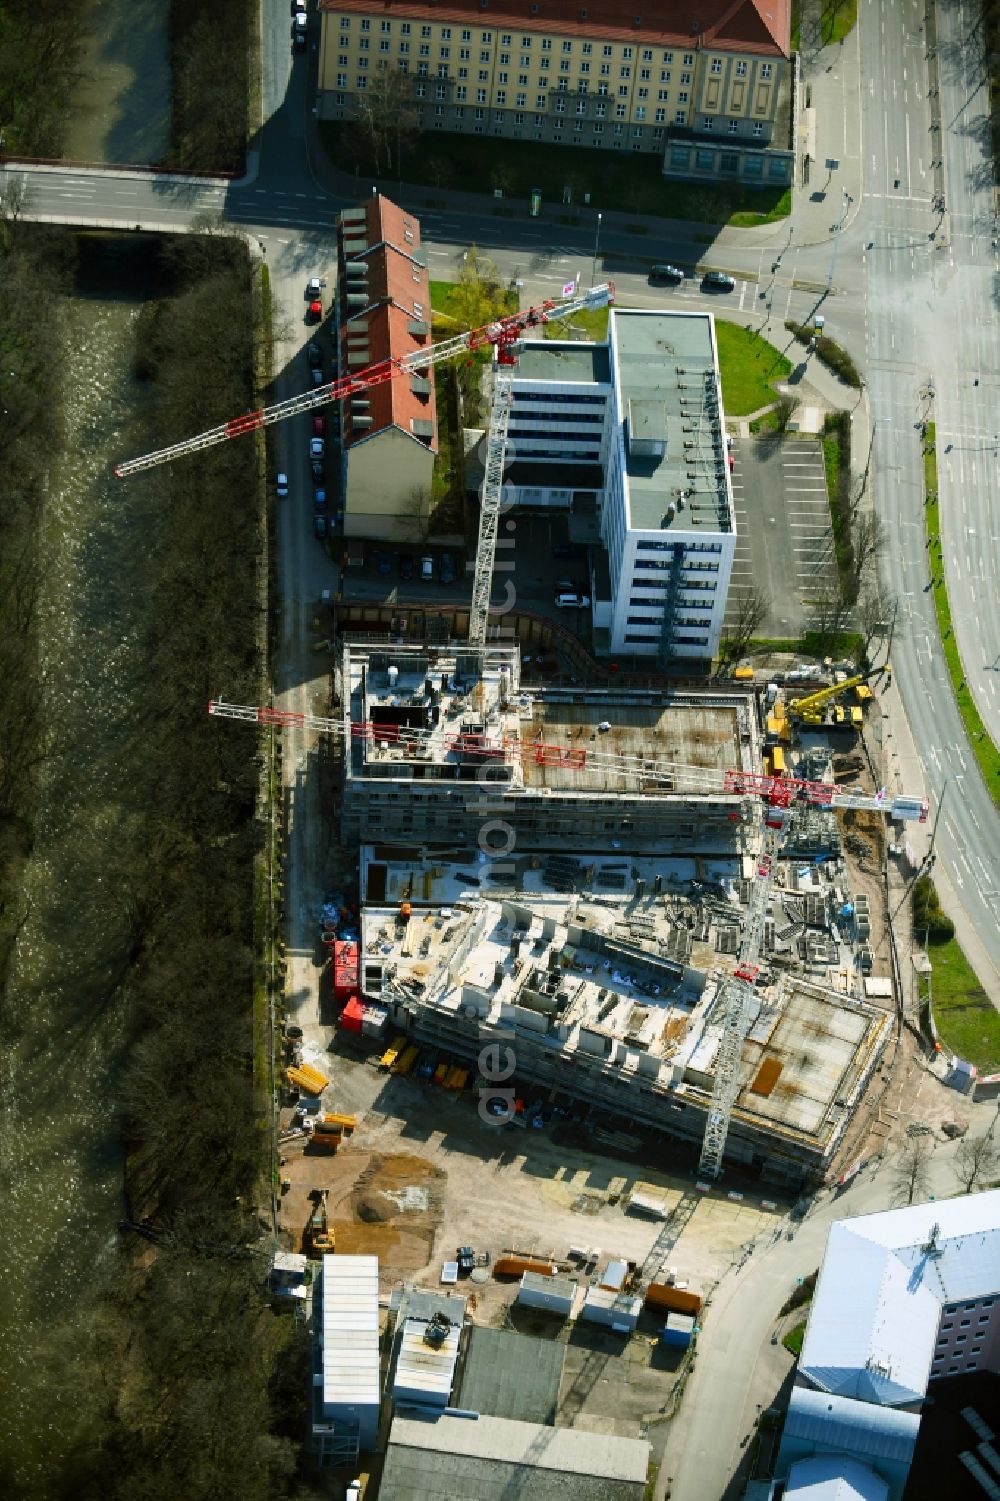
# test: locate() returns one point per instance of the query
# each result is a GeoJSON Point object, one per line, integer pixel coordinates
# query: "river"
{"type": "Point", "coordinates": [121, 107]}
{"type": "Point", "coordinates": [64, 1025]}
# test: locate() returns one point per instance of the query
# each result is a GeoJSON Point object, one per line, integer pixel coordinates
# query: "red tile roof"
{"type": "Point", "coordinates": [754, 26]}
{"type": "Point", "coordinates": [398, 296]}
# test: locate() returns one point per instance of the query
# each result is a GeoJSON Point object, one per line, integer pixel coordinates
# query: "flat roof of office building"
{"type": "Point", "coordinates": [675, 444]}
{"type": "Point", "coordinates": [564, 360]}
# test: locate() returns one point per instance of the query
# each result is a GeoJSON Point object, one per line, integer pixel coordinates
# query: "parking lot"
{"type": "Point", "coordinates": [531, 559]}
{"type": "Point", "coordinates": [784, 542]}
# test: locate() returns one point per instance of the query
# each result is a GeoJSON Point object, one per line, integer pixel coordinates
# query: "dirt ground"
{"type": "Point", "coordinates": [424, 1174]}
{"type": "Point", "coordinates": [379, 1205]}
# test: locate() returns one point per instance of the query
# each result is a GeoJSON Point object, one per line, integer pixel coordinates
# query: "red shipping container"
{"type": "Point", "coordinates": [352, 1015]}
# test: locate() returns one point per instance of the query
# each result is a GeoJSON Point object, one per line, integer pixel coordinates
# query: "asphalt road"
{"type": "Point", "coordinates": [931, 323]}
{"type": "Point", "coordinates": [736, 1368]}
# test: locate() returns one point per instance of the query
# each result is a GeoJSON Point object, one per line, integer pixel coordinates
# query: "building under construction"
{"type": "Point", "coordinates": [444, 748]}
{"type": "Point", "coordinates": [585, 996]}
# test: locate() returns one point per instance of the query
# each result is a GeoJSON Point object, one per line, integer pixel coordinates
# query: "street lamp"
{"type": "Point", "coordinates": [597, 243]}
{"type": "Point", "coordinates": [848, 200]}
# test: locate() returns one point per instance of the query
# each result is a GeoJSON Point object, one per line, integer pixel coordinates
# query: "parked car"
{"type": "Point", "coordinates": [319, 425]}
{"type": "Point", "coordinates": [338, 518]}
{"type": "Point", "coordinates": [315, 356]}
{"type": "Point", "coordinates": [405, 565]}
{"type": "Point", "coordinates": [383, 563]}
{"type": "Point", "coordinates": [314, 288]}
{"type": "Point", "coordinates": [572, 601]}
{"type": "Point", "coordinates": [717, 281]}
{"type": "Point", "coordinates": [665, 273]}
{"type": "Point", "coordinates": [318, 471]}
{"type": "Point", "coordinates": [299, 7]}
{"type": "Point", "coordinates": [281, 484]}
{"type": "Point", "coordinates": [317, 376]}
{"type": "Point", "coordinates": [446, 568]}
{"type": "Point", "coordinates": [317, 448]}
{"type": "Point", "coordinates": [566, 550]}
{"type": "Point", "coordinates": [314, 312]}
{"type": "Point", "coordinates": [319, 527]}
{"type": "Point", "coordinates": [426, 568]}
{"type": "Point", "coordinates": [319, 499]}
{"type": "Point", "coordinates": [299, 32]}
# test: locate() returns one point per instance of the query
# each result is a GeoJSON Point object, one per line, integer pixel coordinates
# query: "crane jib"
{"type": "Point", "coordinates": [247, 423]}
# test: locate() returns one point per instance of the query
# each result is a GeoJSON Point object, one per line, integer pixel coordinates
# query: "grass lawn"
{"type": "Point", "coordinates": [985, 751]}
{"type": "Point", "coordinates": [793, 1339]}
{"type": "Point", "coordinates": [748, 365]}
{"type": "Point", "coordinates": [966, 1019]}
{"type": "Point", "coordinates": [630, 182]}
{"type": "Point", "coordinates": [592, 323]}
{"type": "Point", "coordinates": [839, 17]}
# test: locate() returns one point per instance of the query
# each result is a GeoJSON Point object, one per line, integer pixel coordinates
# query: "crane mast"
{"type": "Point", "coordinates": [489, 512]}
{"type": "Point", "coordinates": [777, 794]}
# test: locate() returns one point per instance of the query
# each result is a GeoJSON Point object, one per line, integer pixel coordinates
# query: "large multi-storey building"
{"type": "Point", "coordinates": [705, 85]}
{"type": "Point", "coordinates": [440, 744]}
{"type": "Point", "coordinates": [632, 433]}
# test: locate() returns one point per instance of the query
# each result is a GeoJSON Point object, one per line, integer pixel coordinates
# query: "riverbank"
{"type": "Point", "coordinates": [127, 1022]}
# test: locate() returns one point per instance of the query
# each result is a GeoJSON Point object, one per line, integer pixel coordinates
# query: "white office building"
{"type": "Point", "coordinates": [629, 437]}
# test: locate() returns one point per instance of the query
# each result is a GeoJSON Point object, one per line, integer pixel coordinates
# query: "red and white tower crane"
{"type": "Point", "coordinates": [774, 796]}
{"type": "Point", "coordinates": [502, 334]}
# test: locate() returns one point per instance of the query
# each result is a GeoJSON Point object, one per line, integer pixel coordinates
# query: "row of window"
{"type": "Point", "coordinates": [637, 638]}
{"type": "Point", "coordinates": [485, 39]}
{"type": "Point", "coordinates": [688, 546]}
{"type": "Point", "coordinates": [500, 126]}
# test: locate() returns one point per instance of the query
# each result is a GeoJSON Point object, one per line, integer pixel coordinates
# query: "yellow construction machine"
{"type": "Point", "coordinates": [812, 708]}
{"type": "Point", "coordinates": [320, 1240]}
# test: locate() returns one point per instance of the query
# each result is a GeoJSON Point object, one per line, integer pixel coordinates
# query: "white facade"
{"type": "Point", "coordinates": [629, 437]}
{"type": "Point", "coordinates": [667, 520]}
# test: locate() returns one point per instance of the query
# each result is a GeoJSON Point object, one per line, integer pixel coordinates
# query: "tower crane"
{"type": "Point", "coordinates": [774, 794]}
{"type": "Point", "coordinates": [502, 334]}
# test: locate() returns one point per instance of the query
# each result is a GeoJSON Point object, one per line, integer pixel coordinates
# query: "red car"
{"type": "Point", "coordinates": [315, 311]}
{"type": "Point", "coordinates": [319, 426]}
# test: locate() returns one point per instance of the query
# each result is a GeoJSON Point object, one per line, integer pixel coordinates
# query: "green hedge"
{"type": "Point", "coordinates": [833, 356]}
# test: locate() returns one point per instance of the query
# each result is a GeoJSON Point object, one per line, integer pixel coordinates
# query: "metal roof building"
{"type": "Point", "coordinates": [884, 1280]}
{"type": "Point", "coordinates": [510, 1375]}
{"type": "Point", "coordinates": [424, 1372]}
{"type": "Point", "coordinates": [347, 1382]}
{"type": "Point", "coordinates": [831, 1479]}
{"type": "Point", "coordinates": [469, 1458]}
{"type": "Point", "coordinates": [842, 1431]}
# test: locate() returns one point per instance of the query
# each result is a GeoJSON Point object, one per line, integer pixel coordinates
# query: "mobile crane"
{"type": "Point", "coordinates": [812, 708]}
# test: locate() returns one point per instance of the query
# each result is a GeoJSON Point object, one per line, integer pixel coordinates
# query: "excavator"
{"type": "Point", "coordinates": [319, 1239]}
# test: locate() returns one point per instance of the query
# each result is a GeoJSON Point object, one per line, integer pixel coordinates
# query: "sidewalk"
{"type": "Point", "coordinates": [906, 775]}
{"type": "Point", "coordinates": [830, 82]}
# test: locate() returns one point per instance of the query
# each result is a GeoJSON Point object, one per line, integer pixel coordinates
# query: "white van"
{"type": "Point", "coordinates": [572, 601]}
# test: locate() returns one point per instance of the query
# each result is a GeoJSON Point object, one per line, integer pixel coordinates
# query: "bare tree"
{"type": "Point", "coordinates": [873, 611]}
{"type": "Point", "coordinates": [910, 1175]}
{"type": "Point", "coordinates": [869, 543]}
{"type": "Point", "coordinates": [388, 113]}
{"type": "Point", "coordinates": [829, 616]}
{"type": "Point", "coordinates": [975, 1160]}
{"type": "Point", "coordinates": [753, 606]}
{"type": "Point", "coordinates": [415, 511]}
